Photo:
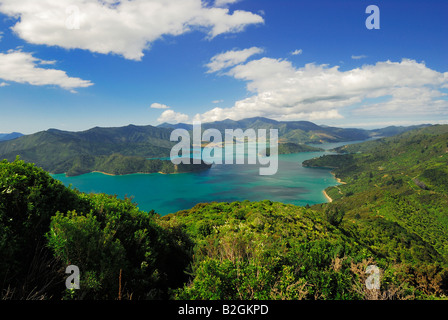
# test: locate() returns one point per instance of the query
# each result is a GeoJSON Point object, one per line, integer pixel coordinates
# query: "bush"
{"type": "Point", "coordinates": [116, 238]}
{"type": "Point", "coordinates": [29, 197]}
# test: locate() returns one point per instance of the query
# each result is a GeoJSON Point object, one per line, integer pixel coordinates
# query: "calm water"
{"type": "Point", "coordinates": [168, 193]}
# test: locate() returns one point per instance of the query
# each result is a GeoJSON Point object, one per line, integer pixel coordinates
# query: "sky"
{"type": "Point", "coordinates": [77, 64]}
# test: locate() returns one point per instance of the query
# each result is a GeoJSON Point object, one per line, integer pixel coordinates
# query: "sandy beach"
{"type": "Point", "coordinates": [327, 196]}
{"type": "Point", "coordinates": [337, 179]}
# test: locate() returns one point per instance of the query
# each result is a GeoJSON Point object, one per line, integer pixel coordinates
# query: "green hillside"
{"type": "Point", "coordinates": [120, 150]}
{"type": "Point", "coordinates": [401, 181]}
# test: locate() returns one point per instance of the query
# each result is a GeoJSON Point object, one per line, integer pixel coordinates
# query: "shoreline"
{"type": "Point", "coordinates": [327, 196]}
{"type": "Point", "coordinates": [126, 174]}
{"type": "Point", "coordinates": [338, 179]}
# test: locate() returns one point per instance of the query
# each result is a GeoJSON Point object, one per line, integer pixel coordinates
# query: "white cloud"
{"type": "Point", "coordinates": [22, 67]}
{"type": "Point", "coordinates": [126, 27]}
{"type": "Point", "coordinates": [171, 116]}
{"type": "Point", "coordinates": [159, 106]}
{"type": "Point", "coordinates": [223, 3]}
{"type": "Point", "coordinates": [313, 92]}
{"type": "Point", "coordinates": [359, 57]}
{"type": "Point", "coordinates": [231, 58]}
{"type": "Point", "coordinates": [409, 101]}
{"type": "Point", "coordinates": [4, 84]}
{"type": "Point", "coordinates": [217, 101]}
{"type": "Point", "coordinates": [297, 52]}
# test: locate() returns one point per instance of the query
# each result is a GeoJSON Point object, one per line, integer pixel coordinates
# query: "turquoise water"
{"type": "Point", "coordinates": [168, 193]}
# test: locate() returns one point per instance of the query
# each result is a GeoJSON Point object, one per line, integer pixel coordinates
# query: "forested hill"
{"type": "Point", "coordinates": [112, 150]}
{"type": "Point", "coordinates": [399, 182]}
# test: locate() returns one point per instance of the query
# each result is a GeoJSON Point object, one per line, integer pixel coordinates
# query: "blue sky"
{"type": "Point", "coordinates": [77, 64]}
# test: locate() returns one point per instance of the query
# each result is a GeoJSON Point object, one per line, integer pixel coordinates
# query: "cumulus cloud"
{"type": "Point", "coordinates": [359, 57]}
{"type": "Point", "coordinates": [125, 27]}
{"type": "Point", "coordinates": [171, 116]}
{"type": "Point", "coordinates": [314, 92]}
{"type": "Point", "coordinates": [297, 52]}
{"type": "Point", "coordinates": [159, 106]}
{"type": "Point", "coordinates": [3, 84]}
{"type": "Point", "coordinates": [409, 101]}
{"type": "Point", "coordinates": [22, 67]}
{"type": "Point", "coordinates": [230, 58]}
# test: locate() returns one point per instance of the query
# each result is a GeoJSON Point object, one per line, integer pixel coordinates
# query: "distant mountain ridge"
{"type": "Point", "coordinates": [10, 136]}
{"type": "Point", "coordinates": [122, 150]}
{"type": "Point", "coordinates": [298, 131]}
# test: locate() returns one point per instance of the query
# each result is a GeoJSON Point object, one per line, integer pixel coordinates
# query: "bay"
{"type": "Point", "coordinates": [169, 193]}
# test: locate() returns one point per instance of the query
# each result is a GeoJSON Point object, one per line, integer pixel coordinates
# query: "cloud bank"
{"type": "Point", "coordinates": [314, 92]}
{"type": "Point", "coordinates": [126, 27]}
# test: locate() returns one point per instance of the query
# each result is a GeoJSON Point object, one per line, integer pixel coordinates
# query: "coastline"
{"type": "Point", "coordinates": [327, 196]}
{"type": "Point", "coordinates": [107, 174]}
{"type": "Point", "coordinates": [338, 179]}
{"type": "Point", "coordinates": [116, 175]}
{"type": "Point", "coordinates": [126, 174]}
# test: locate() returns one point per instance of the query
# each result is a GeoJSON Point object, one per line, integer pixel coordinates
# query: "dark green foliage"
{"type": "Point", "coordinates": [436, 177]}
{"type": "Point", "coordinates": [384, 179]}
{"type": "Point", "coordinates": [29, 197]}
{"type": "Point", "coordinates": [334, 215]}
{"type": "Point", "coordinates": [116, 236]}
{"type": "Point", "coordinates": [266, 250]}
{"type": "Point", "coordinates": [331, 161]}
{"type": "Point", "coordinates": [45, 226]}
{"type": "Point", "coordinates": [395, 197]}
